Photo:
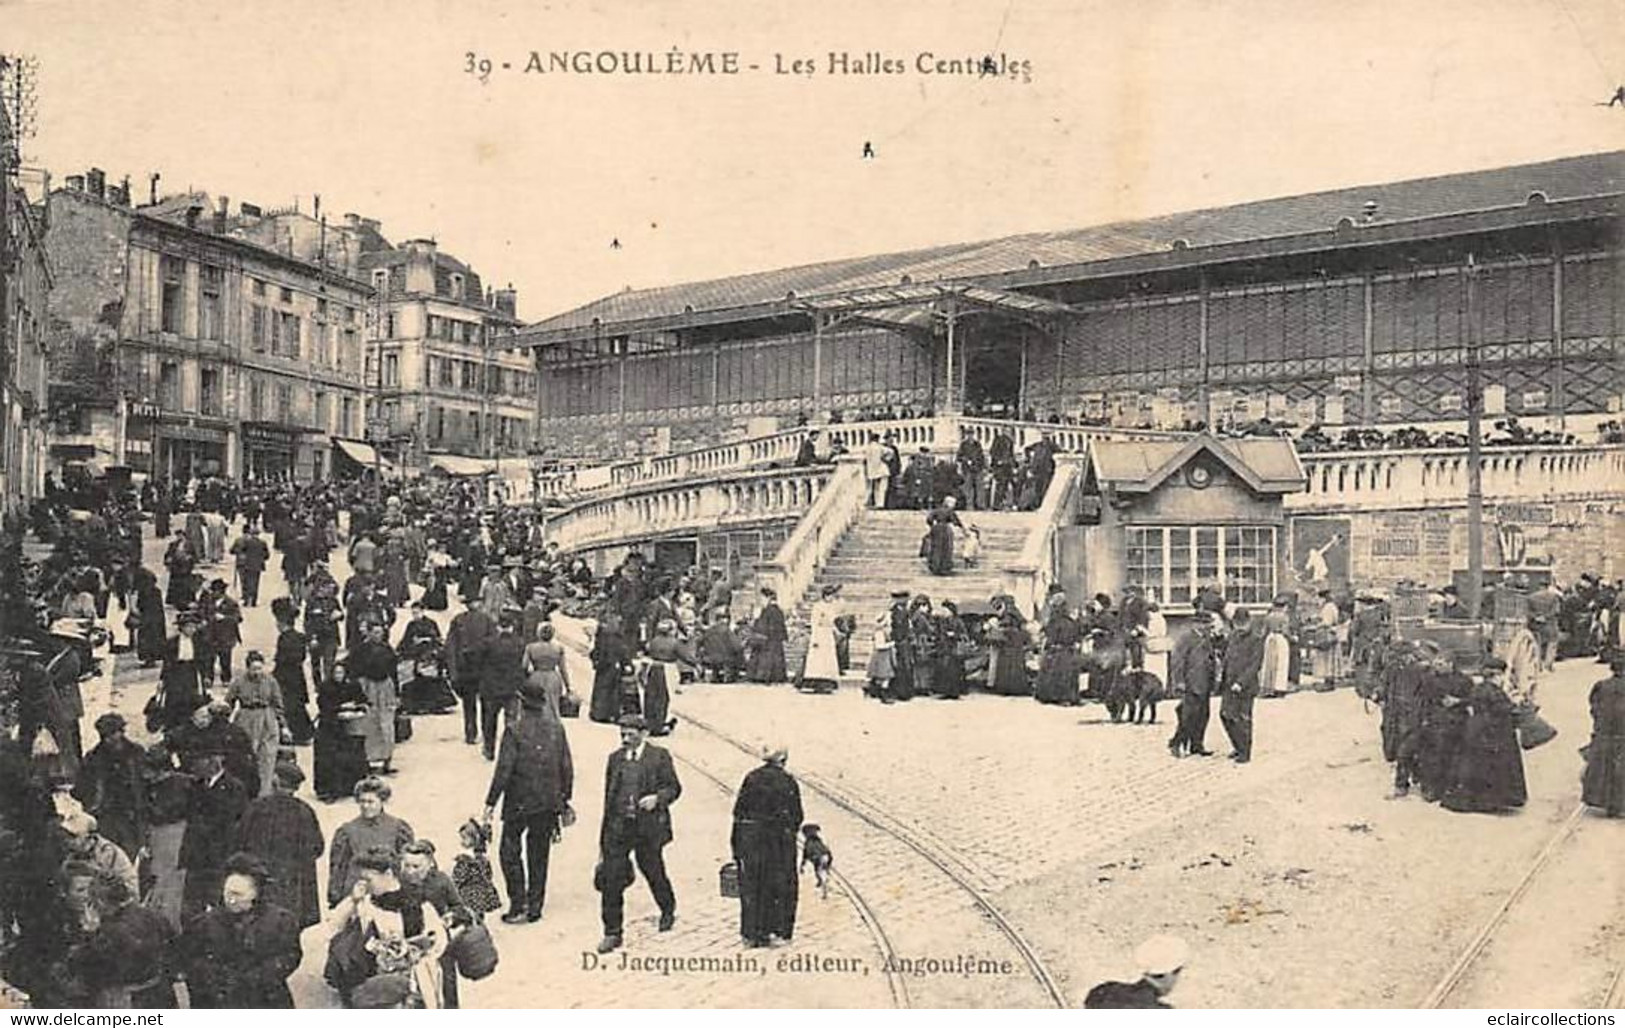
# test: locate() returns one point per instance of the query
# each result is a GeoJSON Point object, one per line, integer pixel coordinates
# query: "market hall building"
{"type": "Point", "coordinates": [1350, 307]}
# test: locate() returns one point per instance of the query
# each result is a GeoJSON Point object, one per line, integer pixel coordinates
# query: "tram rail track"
{"type": "Point", "coordinates": [950, 865]}
{"type": "Point", "coordinates": [896, 984]}
{"type": "Point", "coordinates": [1460, 971]}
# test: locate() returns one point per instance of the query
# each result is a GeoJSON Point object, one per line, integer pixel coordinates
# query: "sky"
{"type": "Point", "coordinates": [1126, 109]}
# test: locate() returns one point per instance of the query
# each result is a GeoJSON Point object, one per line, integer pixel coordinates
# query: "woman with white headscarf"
{"type": "Point", "coordinates": [767, 816]}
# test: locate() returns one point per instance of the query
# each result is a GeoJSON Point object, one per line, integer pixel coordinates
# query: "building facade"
{"type": "Point", "coordinates": [447, 382]}
{"type": "Point", "coordinates": [186, 348]}
{"type": "Point", "coordinates": [25, 283]}
{"type": "Point", "coordinates": [1359, 306]}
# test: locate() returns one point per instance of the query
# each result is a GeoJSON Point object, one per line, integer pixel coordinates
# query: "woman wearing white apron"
{"type": "Point", "coordinates": [822, 672]}
{"type": "Point", "coordinates": [663, 675]}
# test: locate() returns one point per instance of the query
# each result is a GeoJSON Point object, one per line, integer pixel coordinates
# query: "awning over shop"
{"type": "Point", "coordinates": [459, 466]}
{"type": "Point", "coordinates": [362, 453]}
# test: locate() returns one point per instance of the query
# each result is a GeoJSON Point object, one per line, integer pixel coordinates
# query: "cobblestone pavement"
{"type": "Point", "coordinates": [945, 816]}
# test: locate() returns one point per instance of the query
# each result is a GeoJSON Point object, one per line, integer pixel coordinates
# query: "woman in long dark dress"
{"type": "Point", "coordinates": [181, 680]}
{"type": "Point", "coordinates": [1603, 784]}
{"type": "Point", "coordinates": [940, 526]}
{"type": "Point", "coordinates": [1007, 652]}
{"type": "Point", "coordinates": [767, 816]}
{"type": "Point", "coordinates": [180, 559]}
{"type": "Point", "coordinates": [950, 679]}
{"type": "Point", "coordinates": [151, 631]}
{"type": "Point", "coordinates": [1058, 672]}
{"type": "Point", "coordinates": [922, 636]}
{"type": "Point", "coordinates": [340, 753]}
{"type": "Point", "coordinates": [769, 635]}
{"type": "Point", "coordinates": [1487, 773]}
{"type": "Point", "coordinates": [609, 652]}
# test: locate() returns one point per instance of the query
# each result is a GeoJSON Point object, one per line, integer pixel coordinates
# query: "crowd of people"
{"type": "Point", "coordinates": [128, 869]}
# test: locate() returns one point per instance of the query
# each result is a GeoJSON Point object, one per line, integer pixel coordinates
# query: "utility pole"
{"type": "Point", "coordinates": [1475, 442]}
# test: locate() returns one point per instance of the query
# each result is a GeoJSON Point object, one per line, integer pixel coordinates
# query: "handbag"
{"type": "Point", "coordinates": [474, 952]}
{"type": "Point", "coordinates": [403, 727]}
{"type": "Point", "coordinates": [1533, 730]}
{"type": "Point", "coordinates": [569, 705]}
{"type": "Point", "coordinates": [728, 880]}
{"type": "Point", "coordinates": [153, 712]}
{"type": "Point", "coordinates": [567, 816]}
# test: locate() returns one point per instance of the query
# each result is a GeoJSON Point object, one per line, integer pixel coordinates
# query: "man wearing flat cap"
{"type": "Point", "coordinates": [281, 830]}
{"type": "Point", "coordinates": [1160, 959]}
{"type": "Point", "coordinates": [640, 785]}
{"type": "Point", "coordinates": [534, 778]}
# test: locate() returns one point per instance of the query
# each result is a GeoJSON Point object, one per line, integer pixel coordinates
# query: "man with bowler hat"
{"type": "Point", "coordinates": [640, 785]}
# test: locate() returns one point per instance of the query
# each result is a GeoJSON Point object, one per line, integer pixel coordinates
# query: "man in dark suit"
{"type": "Point", "coordinates": [1243, 659]}
{"type": "Point", "coordinates": [466, 639]}
{"type": "Point", "coordinates": [252, 555]}
{"type": "Point", "coordinates": [534, 779]}
{"type": "Point", "coordinates": [640, 785]}
{"type": "Point", "coordinates": [217, 802]}
{"type": "Point", "coordinates": [1190, 673]}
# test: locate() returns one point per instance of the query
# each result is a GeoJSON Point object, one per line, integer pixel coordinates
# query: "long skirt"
{"type": "Point", "coordinates": [151, 637]}
{"type": "Point", "coordinates": [182, 590]}
{"type": "Point", "coordinates": [822, 671]}
{"type": "Point", "coordinates": [1603, 783]}
{"type": "Point", "coordinates": [767, 663]}
{"type": "Point", "coordinates": [768, 888]}
{"type": "Point", "coordinates": [605, 704]}
{"type": "Point", "coordinates": [1007, 674]}
{"type": "Point", "coordinates": [295, 702]}
{"type": "Point", "coordinates": [1487, 772]}
{"type": "Point", "coordinates": [340, 759]}
{"type": "Point", "coordinates": [1273, 676]}
{"type": "Point", "coordinates": [382, 702]}
{"type": "Point", "coordinates": [950, 676]}
{"type": "Point", "coordinates": [1058, 678]}
{"type": "Point", "coordinates": [168, 877]}
{"type": "Point", "coordinates": [658, 682]}
{"type": "Point", "coordinates": [940, 549]}
{"type": "Point", "coordinates": [264, 736]}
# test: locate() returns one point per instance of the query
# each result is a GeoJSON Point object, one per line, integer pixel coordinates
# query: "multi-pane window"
{"type": "Point", "coordinates": [347, 425]}
{"type": "Point", "coordinates": [209, 391]}
{"type": "Point", "coordinates": [347, 352]}
{"type": "Point", "coordinates": [211, 309]}
{"type": "Point", "coordinates": [1172, 563]}
{"type": "Point", "coordinates": [172, 275]}
{"type": "Point", "coordinates": [323, 412]}
{"type": "Point", "coordinates": [259, 333]}
{"type": "Point", "coordinates": [392, 370]}
{"type": "Point", "coordinates": [169, 385]}
{"type": "Point", "coordinates": [256, 399]}
{"type": "Point", "coordinates": [284, 402]}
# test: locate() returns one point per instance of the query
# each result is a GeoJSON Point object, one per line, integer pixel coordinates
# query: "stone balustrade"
{"type": "Point", "coordinates": [1407, 479]}
{"type": "Point", "coordinates": [1028, 577]}
{"type": "Point", "coordinates": [790, 574]}
{"type": "Point", "coordinates": [658, 508]}
{"type": "Point", "coordinates": [940, 435]}
{"type": "Point", "coordinates": [1067, 438]}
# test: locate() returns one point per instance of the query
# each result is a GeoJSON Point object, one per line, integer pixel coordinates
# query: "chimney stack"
{"type": "Point", "coordinates": [76, 183]}
{"type": "Point", "coordinates": [96, 183]}
{"type": "Point", "coordinates": [152, 187]}
{"type": "Point", "coordinates": [192, 213]}
{"type": "Point", "coordinates": [120, 194]}
{"type": "Point", "coordinates": [222, 207]}
{"type": "Point", "coordinates": [507, 301]}
{"type": "Point", "coordinates": [250, 210]}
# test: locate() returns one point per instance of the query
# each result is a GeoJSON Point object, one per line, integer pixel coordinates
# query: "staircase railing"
{"type": "Point", "coordinates": [790, 573]}
{"type": "Point", "coordinates": [1028, 577]}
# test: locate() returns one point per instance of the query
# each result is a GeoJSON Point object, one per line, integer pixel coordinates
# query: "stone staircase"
{"type": "Point", "coordinates": [880, 553]}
